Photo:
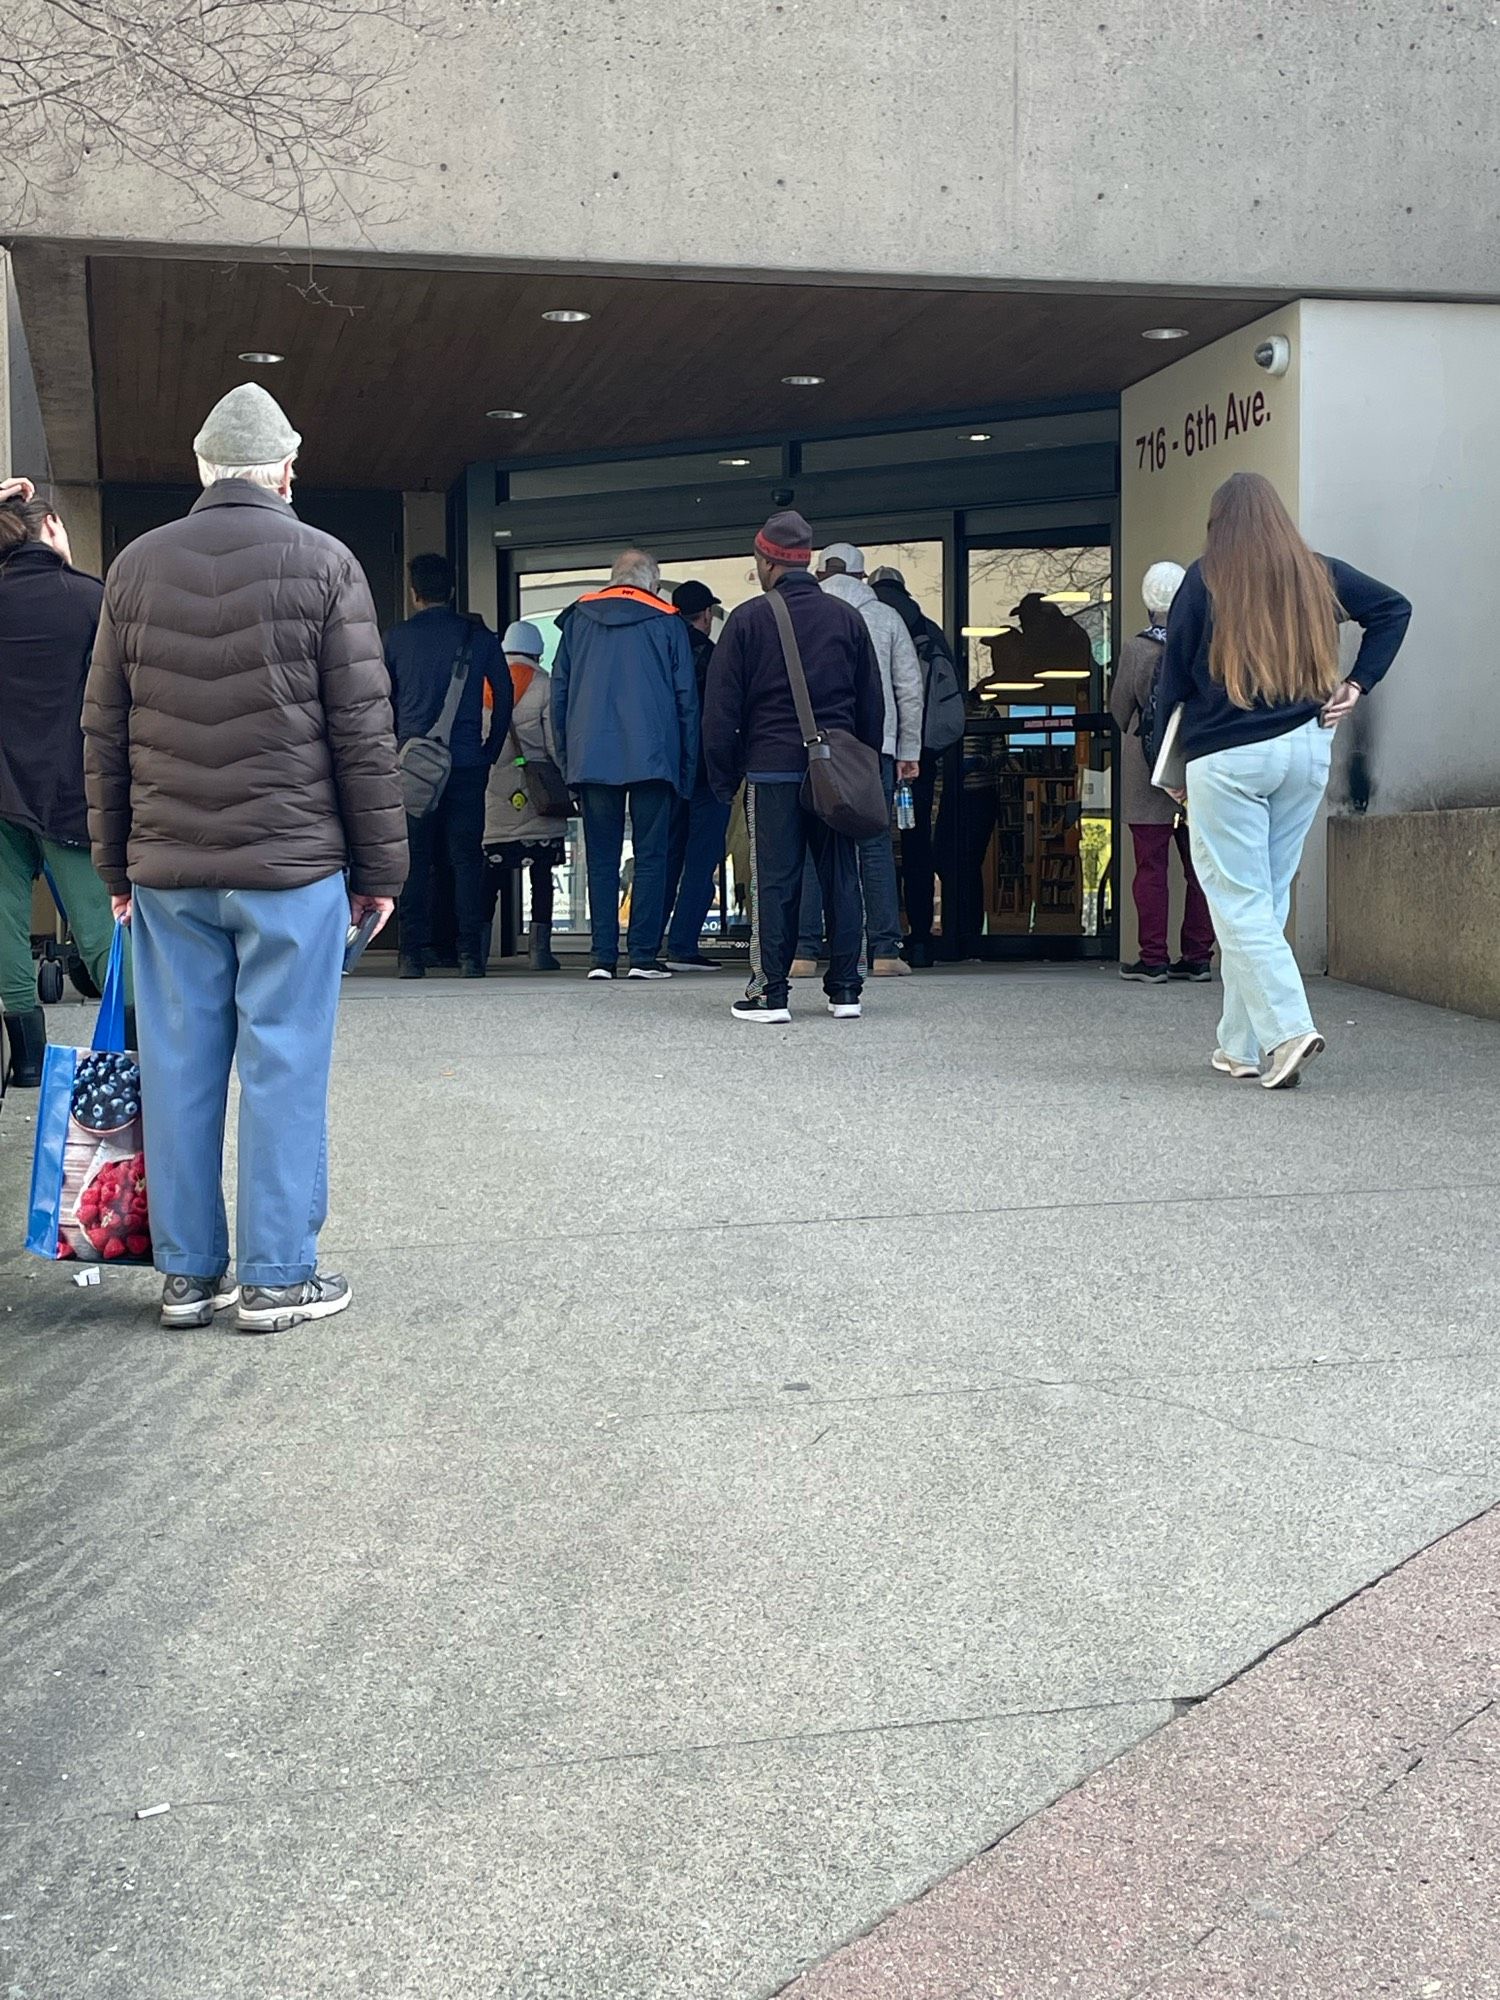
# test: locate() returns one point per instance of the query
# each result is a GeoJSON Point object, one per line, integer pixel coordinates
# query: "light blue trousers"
{"type": "Point", "coordinates": [1249, 813]}
{"type": "Point", "coordinates": [249, 977]}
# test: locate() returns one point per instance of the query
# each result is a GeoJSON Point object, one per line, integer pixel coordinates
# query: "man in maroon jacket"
{"type": "Point", "coordinates": [751, 735]}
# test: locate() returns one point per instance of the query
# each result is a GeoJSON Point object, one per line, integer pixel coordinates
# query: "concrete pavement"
{"type": "Point", "coordinates": [759, 1469]}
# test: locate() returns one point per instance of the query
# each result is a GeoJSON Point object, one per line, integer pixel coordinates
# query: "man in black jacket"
{"type": "Point", "coordinates": [699, 823]}
{"type": "Point", "coordinates": [751, 733]}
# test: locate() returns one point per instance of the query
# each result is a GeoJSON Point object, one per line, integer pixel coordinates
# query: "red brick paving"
{"type": "Point", "coordinates": [1322, 1828]}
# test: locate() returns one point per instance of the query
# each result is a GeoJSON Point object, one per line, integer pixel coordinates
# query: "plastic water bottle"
{"type": "Point", "coordinates": [906, 810]}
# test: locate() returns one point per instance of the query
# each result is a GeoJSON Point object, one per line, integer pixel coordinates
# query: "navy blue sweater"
{"type": "Point", "coordinates": [420, 656]}
{"type": "Point", "coordinates": [1210, 720]}
{"type": "Point", "coordinates": [749, 717]}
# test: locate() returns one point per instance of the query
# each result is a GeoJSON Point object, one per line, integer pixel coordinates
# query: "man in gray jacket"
{"type": "Point", "coordinates": [842, 575]}
{"type": "Point", "coordinates": [238, 757]}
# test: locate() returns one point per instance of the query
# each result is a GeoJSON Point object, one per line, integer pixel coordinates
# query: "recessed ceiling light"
{"type": "Point", "coordinates": [506, 416]}
{"type": "Point", "coordinates": [1063, 674]}
{"type": "Point", "coordinates": [734, 461]}
{"type": "Point", "coordinates": [1165, 333]}
{"type": "Point", "coordinates": [803, 381]}
{"type": "Point", "coordinates": [566, 317]}
{"type": "Point", "coordinates": [992, 688]}
{"type": "Point", "coordinates": [977, 437]}
{"type": "Point", "coordinates": [1066, 597]}
{"type": "Point", "coordinates": [258, 359]}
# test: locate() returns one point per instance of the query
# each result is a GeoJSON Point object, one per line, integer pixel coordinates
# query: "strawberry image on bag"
{"type": "Point", "coordinates": [88, 1177]}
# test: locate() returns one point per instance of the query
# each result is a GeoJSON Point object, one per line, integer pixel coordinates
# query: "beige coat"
{"type": "Point", "coordinates": [530, 737]}
{"type": "Point", "coordinates": [1141, 802]}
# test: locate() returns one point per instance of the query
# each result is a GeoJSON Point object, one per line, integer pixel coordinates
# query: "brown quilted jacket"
{"type": "Point", "coordinates": [237, 719]}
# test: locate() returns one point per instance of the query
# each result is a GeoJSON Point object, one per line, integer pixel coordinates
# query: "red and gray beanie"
{"type": "Point", "coordinates": [786, 539]}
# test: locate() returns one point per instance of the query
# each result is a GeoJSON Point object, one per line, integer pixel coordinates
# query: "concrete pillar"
{"type": "Point", "coordinates": [82, 509]}
{"type": "Point", "coordinates": [424, 522]}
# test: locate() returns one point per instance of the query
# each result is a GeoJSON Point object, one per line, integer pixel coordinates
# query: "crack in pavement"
{"type": "Point", "coordinates": [724, 1225]}
{"type": "Point", "coordinates": [714, 1747]}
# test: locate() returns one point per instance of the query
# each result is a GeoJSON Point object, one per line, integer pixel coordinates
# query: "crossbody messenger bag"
{"type": "Point", "coordinates": [843, 785]}
{"type": "Point", "coordinates": [426, 761]}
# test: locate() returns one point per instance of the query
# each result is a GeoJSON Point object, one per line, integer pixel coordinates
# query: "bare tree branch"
{"type": "Point", "coordinates": [273, 102]}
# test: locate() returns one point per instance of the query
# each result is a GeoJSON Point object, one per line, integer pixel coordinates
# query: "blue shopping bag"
{"type": "Point", "coordinates": [88, 1173]}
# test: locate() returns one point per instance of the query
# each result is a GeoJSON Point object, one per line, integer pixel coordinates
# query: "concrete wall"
{"type": "Point", "coordinates": [1134, 142]}
{"type": "Point", "coordinates": [1414, 905]}
{"type": "Point", "coordinates": [1401, 475]}
{"type": "Point", "coordinates": [23, 441]}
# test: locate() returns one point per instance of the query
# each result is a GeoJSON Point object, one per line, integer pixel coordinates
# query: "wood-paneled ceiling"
{"type": "Point", "coordinates": [389, 372]}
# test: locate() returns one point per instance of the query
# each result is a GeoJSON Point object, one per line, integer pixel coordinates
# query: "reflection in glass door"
{"type": "Point", "coordinates": [1027, 838]}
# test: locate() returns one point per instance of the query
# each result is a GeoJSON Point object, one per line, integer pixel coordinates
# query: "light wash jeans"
{"type": "Point", "coordinates": [1249, 812]}
{"type": "Point", "coordinates": [249, 976]}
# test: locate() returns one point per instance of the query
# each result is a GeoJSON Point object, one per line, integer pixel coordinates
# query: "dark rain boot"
{"type": "Point", "coordinates": [542, 959]}
{"type": "Point", "coordinates": [27, 1035]}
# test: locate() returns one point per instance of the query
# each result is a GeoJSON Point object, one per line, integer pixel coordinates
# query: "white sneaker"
{"type": "Point", "coordinates": [844, 1010]}
{"type": "Point", "coordinates": [1231, 1065]}
{"type": "Point", "coordinates": [655, 970]}
{"type": "Point", "coordinates": [1284, 1065]}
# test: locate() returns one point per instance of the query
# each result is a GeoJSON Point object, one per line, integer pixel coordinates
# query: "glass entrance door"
{"type": "Point", "coordinates": [1025, 827]}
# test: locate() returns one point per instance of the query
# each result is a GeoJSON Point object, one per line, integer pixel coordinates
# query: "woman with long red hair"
{"type": "Point", "coordinates": [1253, 658]}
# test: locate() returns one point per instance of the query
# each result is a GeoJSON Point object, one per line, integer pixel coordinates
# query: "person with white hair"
{"type": "Point", "coordinates": [626, 720]}
{"type": "Point", "coordinates": [245, 809]}
{"type": "Point", "coordinates": [1156, 821]}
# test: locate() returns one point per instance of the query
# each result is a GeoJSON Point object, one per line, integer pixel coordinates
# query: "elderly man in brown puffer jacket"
{"type": "Point", "coordinates": [239, 759]}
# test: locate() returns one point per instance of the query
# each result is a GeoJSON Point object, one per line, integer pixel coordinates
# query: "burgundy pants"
{"type": "Point", "coordinates": [1153, 845]}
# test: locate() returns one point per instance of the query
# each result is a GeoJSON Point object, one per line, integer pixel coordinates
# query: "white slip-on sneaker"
{"type": "Point", "coordinates": [844, 1010]}
{"type": "Point", "coordinates": [1228, 1065]}
{"type": "Point", "coordinates": [1285, 1064]}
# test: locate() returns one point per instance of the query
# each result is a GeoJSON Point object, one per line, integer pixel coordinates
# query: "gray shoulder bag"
{"type": "Point", "coordinates": [842, 786]}
{"type": "Point", "coordinates": [426, 761]}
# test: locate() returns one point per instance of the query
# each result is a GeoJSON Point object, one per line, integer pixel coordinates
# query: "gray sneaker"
{"type": "Point", "coordinates": [274, 1308]}
{"type": "Point", "coordinates": [194, 1301]}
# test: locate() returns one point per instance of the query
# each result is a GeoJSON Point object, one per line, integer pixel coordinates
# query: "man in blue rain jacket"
{"type": "Point", "coordinates": [625, 713]}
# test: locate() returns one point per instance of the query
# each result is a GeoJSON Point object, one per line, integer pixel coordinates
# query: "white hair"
{"type": "Point", "coordinates": [636, 570]}
{"type": "Point", "coordinates": [257, 475]}
{"type": "Point", "coordinates": [1160, 585]}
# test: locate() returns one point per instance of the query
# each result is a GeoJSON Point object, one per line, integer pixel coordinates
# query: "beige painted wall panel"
{"type": "Point", "coordinates": [1182, 432]}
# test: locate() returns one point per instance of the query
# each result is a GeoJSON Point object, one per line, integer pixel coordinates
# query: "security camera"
{"type": "Point", "coordinates": [1274, 355]}
{"type": "Point", "coordinates": [783, 496]}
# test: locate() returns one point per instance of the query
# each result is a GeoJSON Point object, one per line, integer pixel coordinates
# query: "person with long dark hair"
{"type": "Point", "coordinates": [1253, 658]}
{"type": "Point", "coordinates": [49, 613]}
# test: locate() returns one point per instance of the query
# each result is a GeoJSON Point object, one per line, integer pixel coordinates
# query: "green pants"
{"type": "Point", "coordinates": [85, 897]}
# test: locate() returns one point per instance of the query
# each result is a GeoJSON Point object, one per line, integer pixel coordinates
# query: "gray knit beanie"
{"type": "Point", "coordinates": [246, 427]}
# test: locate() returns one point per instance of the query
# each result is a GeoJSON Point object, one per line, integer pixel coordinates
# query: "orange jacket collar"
{"type": "Point", "coordinates": [635, 596]}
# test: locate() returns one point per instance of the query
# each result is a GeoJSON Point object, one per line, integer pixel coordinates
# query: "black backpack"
{"type": "Point", "coordinates": [943, 708]}
{"type": "Point", "coordinates": [1146, 728]}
